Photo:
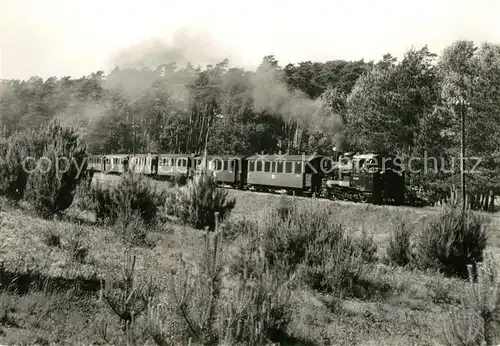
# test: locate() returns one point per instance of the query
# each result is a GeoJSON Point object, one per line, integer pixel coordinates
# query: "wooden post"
{"type": "Point", "coordinates": [462, 156]}
{"type": "Point", "coordinates": [216, 221]}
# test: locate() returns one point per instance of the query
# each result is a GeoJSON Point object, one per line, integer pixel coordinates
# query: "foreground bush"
{"type": "Point", "coordinates": [14, 150]}
{"type": "Point", "coordinates": [197, 202]}
{"type": "Point", "coordinates": [399, 248]}
{"type": "Point", "coordinates": [249, 311]}
{"type": "Point", "coordinates": [307, 241]}
{"type": "Point", "coordinates": [452, 240]}
{"type": "Point", "coordinates": [477, 320]}
{"type": "Point", "coordinates": [133, 195]}
{"type": "Point", "coordinates": [51, 189]}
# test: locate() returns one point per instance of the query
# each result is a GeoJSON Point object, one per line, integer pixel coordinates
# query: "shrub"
{"type": "Point", "coordinates": [133, 193]}
{"type": "Point", "coordinates": [76, 245]}
{"type": "Point", "coordinates": [134, 230]}
{"type": "Point", "coordinates": [452, 240]}
{"type": "Point", "coordinates": [51, 189]}
{"type": "Point", "coordinates": [233, 229]}
{"type": "Point", "coordinates": [257, 309]}
{"type": "Point", "coordinates": [128, 296]}
{"type": "Point", "coordinates": [13, 176]}
{"type": "Point", "coordinates": [249, 311]}
{"type": "Point", "coordinates": [367, 247]}
{"type": "Point", "coordinates": [197, 202]}
{"type": "Point", "coordinates": [83, 195]}
{"type": "Point", "coordinates": [308, 240]}
{"type": "Point", "coordinates": [244, 254]}
{"type": "Point", "coordinates": [399, 248]}
{"type": "Point", "coordinates": [477, 320]}
{"type": "Point", "coordinates": [197, 297]}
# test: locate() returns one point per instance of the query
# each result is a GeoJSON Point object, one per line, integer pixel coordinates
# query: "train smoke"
{"type": "Point", "coordinates": [185, 46]}
{"type": "Point", "coordinates": [137, 67]}
{"type": "Point", "coordinates": [272, 94]}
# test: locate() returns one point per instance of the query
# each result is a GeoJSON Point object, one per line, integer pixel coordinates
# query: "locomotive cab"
{"type": "Point", "coordinates": [365, 177]}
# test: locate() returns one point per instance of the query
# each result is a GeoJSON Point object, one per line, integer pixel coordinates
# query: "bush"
{"type": "Point", "coordinates": [197, 202]}
{"type": "Point", "coordinates": [83, 195]}
{"type": "Point", "coordinates": [332, 266]}
{"type": "Point", "coordinates": [128, 296]}
{"type": "Point", "coordinates": [452, 240]}
{"type": "Point", "coordinates": [244, 255]}
{"type": "Point", "coordinates": [308, 240]}
{"type": "Point", "coordinates": [399, 248]}
{"type": "Point", "coordinates": [51, 189]}
{"type": "Point", "coordinates": [249, 311]}
{"type": "Point", "coordinates": [134, 230]}
{"type": "Point", "coordinates": [133, 194]}
{"type": "Point", "coordinates": [367, 247]}
{"type": "Point", "coordinates": [14, 150]}
{"type": "Point", "coordinates": [477, 320]}
{"type": "Point", "coordinates": [234, 229]}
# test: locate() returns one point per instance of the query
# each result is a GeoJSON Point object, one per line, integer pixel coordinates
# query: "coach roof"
{"type": "Point", "coordinates": [284, 157]}
{"type": "Point", "coordinates": [175, 155]}
{"type": "Point", "coordinates": [222, 157]}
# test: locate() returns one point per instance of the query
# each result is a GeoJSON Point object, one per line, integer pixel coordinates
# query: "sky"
{"type": "Point", "coordinates": [74, 38]}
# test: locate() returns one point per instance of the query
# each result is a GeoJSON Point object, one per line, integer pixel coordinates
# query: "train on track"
{"type": "Point", "coordinates": [369, 177]}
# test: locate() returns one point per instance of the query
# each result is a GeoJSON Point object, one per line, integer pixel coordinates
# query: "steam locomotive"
{"type": "Point", "coordinates": [357, 177]}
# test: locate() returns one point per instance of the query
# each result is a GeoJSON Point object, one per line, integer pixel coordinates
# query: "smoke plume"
{"type": "Point", "coordinates": [186, 45]}
{"type": "Point", "coordinates": [272, 94]}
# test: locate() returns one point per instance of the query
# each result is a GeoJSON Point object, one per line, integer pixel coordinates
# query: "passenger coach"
{"type": "Point", "coordinates": [95, 163]}
{"type": "Point", "coordinates": [294, 173]}
{"type": "Point", "coordinates": [143, 164]}
{"type": "Point", "coordinates": [115, 163]}
{"type": "Point", "coordinates": [229, 170]}
{"type": "Point", "coordinates": [174, 166]}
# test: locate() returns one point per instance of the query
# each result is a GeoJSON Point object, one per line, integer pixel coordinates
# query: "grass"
{"type": "Point", "coordinates": [398, 306]}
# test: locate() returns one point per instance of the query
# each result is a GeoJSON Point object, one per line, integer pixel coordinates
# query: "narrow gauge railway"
{"type": "Point", "coordinates": [369, 177]}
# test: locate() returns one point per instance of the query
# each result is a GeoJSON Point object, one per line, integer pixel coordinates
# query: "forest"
{"type": "Point", "coordinates": [410, 107]}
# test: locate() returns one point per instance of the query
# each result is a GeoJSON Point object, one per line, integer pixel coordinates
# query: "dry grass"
{"type": "Point", "coordinates": [399, 306]}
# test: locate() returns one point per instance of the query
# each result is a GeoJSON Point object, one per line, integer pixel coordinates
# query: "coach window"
{"type": "Point", "coordinates": [298, 167]}
{"type": "Point", "coordinates": [258, 166]}
{"type": "Point", "coordinates": [267, 166]}
{"type": "Point", "coordinates": [288, 167]}
{"type": "Point", "coordinates": [279, 167]}
{"type": "Point", "coordinates": [251, 166]}
{"type": "Point", "coordinates": [226, 165]}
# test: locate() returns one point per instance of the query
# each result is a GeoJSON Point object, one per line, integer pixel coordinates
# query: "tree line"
{"type": "Point", "coordinates": [411, 108]}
